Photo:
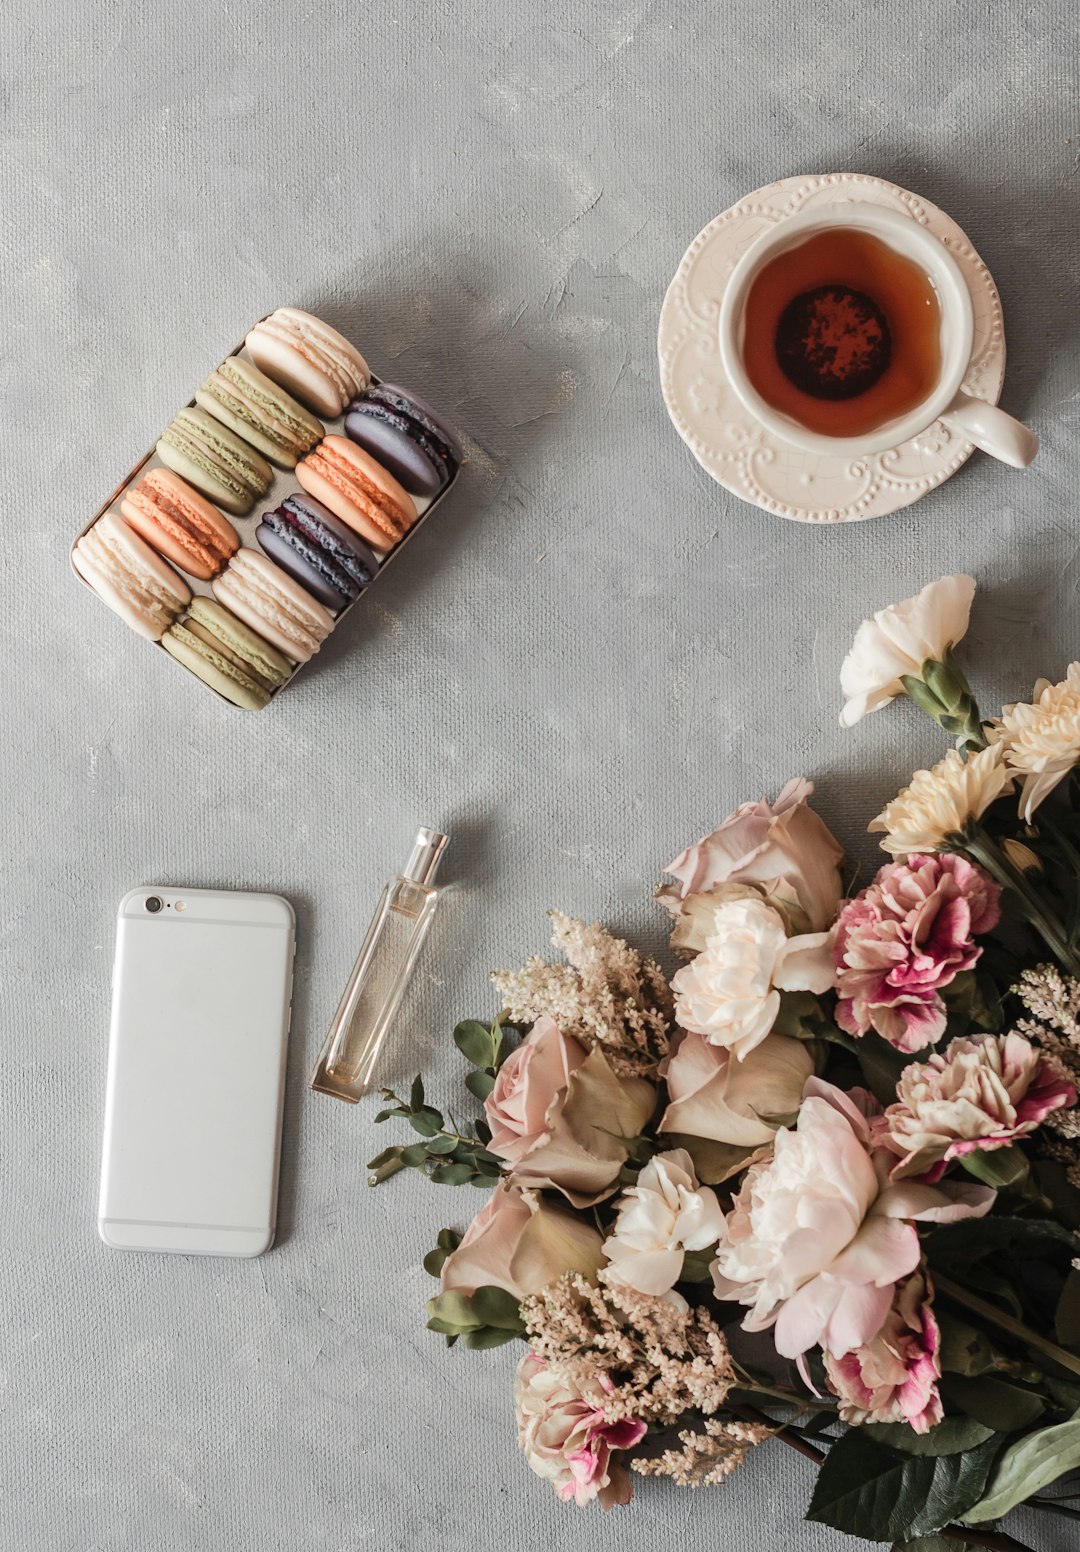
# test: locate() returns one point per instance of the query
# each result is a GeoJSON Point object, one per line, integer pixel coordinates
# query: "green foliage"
{"type": "Point", "coordinates": [487, 1318]}
{"type": "Point", "coordinates": [1026, 1468]}
{"type": "Point", "coordinates": [448, 1240]}
{"type": "Point", "coordinates": [964, 1348]}
{"type": "Point", "coordinates": [696, 1263]}
{"type": "Point", "coordinates": [993, 1401]}
{"type": "Point", "coordinates": [951, 1245]}
{"type": "Point", "coordinates": [930, 1544]}
{"type": "Point", "coordinates": [449, 1156]}
{"type": "Point", "coordinates": [951, 1436]}
{"type": "Point", "coordinates": [1067, 1314]}
{"type": "Point", "coordinates": [867, 1489]}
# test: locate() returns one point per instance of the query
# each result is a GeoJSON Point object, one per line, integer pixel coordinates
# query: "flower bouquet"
{"type": "Point", "coordinates": [821, 1186]}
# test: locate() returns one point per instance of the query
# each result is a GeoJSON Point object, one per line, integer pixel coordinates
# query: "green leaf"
{"type": "Point", "coordinates": [384, 1157]}
{"type": "Point", "coordinates": [414, 1155]}
{"type": "Point", "coordinates": [416, 1093]}
{"type": "Point", "coordinates": [696, 1263]}
{"type": "Point", "coordinates": [964, 1348]}
{"type": "Point", "coordinates": [387, 1168]}
{"type": "Point", "coordinates": [930, 1544]}
{"type": "Point", "coordinates": [951, 1436]}
{"type": "Point", "coordinates": [993, 1401]}
{"type": "Point", "coordinates": [1067, 1315]}
{"type": "Point", "coordinates": [954, 1243]}
{"type": "Point", "coordinates": [799, 1015]}
{"type": "Point", "coordinates": [451, 1174]}
{"type": "Point", "coordinates": [426, 1121]}
{"type": "Point", "coordinates": [442, 1144]}
{"type": "Point", "coordinates": [433, 1261]}
{"type": "Point", "coordinates": [867, 1490]}
{"type": "Point", "coordinates": [475, 1043]}
{"type": "Point", "coordinates": [398, 1110]}
{"type": "Point", "coordinates": [454, 1311]}
{"type": "Point", "coordinates": [1026, 1468]}
{"type": "Point", "coordinates": [495, 1307]}
{"type": "Point", "coordinates": [488, 1336]}
{"type": "Point", "coordinates": [881, 1065]}
{"type": "Point", "coordinates": [479, 1083]}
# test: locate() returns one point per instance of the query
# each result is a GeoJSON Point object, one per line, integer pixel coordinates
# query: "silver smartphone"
{"type": "Point", "coordinates": [202, 984]}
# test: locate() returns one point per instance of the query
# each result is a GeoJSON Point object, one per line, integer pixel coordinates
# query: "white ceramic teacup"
{"type": "Point", "coordinates": [972, 419]}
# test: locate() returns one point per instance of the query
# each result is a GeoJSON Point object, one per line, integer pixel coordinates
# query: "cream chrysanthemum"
{"type": "Point", "coordinates": [1042, 738]}
{"type": "Point", "coordinates": [942, 802]}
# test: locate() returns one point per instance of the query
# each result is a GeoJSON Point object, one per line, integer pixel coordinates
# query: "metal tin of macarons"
{"type": "Point", "coordinates": [267, 507]}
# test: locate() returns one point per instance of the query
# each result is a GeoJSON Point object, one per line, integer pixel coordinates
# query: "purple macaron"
{"type": "Point", "coordinates": [317, 550]}
{"type": "Point", "coordinates": [404, 434]}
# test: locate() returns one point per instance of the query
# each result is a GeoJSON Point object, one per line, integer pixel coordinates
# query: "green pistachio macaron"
{"type": "Point", "coordinates": [242, 398]}
{"type": "Point", "coordinates": [212, 458]}
{"type": "Point", "coordinates": [225, 654]}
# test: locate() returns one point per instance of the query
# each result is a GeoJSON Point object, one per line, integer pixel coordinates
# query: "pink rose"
{"type": "Point", "coordinates": [983, 1091]}
{"type": "Point", "coordinates": [893, 1378]}
{"type": "Point", "coordinates": [566, 1437]}
{"type": "Point", "coordinates": [557, 1112]}
{"type": "Point", "coordinates": [780, 851]}
{"type": "Point", "coordinates": [905, 937]}
{"type": "Point", "coordinates": [818, 1236]}
{"type": "Point", "coordinates": [713, 1095]}
{"type": "Point", "coordinates": [519, 1242]}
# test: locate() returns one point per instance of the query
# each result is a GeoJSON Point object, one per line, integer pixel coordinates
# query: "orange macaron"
{"type": "Point", "coordinates": [182, 525]}
{"type": "Point", "coordinates": [358, 490]}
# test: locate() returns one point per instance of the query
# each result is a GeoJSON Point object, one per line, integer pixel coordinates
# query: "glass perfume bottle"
{"type": "Point", "coordinates": [381, 973]}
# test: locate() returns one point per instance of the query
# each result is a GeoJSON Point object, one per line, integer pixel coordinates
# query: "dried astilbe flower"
{"type": "Point", "coordinates": [607, 994]}
{"type": "Point", "coordinates": [654, 1358]}
{"type": "Point", "coordinates": [705, 1458]}
{"type": "Point", "coordinates": [1053, 1000]}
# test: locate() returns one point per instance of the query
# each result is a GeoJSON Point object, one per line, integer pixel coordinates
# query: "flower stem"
{"type": "Point", "coordinates": [989, 855]}
{"type": "Point", "coordinates": [1008, 1323]}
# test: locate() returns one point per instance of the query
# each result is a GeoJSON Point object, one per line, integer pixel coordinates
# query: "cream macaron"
{"type": "Point", "coordinates": [309, 358]}
{"type": "Point", "coordinates": [135, 582]}
{"type": "Point", "coordinates": [271, 603]}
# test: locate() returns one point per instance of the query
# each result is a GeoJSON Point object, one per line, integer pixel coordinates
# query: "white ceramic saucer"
{"type": "Point", "coordinates": [730, 444]}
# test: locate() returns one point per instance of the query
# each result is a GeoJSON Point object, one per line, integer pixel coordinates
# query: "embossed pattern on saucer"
{"type": "Point", "coordinates": [730, 444]}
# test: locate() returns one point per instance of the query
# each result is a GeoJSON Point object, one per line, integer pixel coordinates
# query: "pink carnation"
{"type": "Point", "coordinates": [893, 1378]}
{"type": "Point", "coordinates": [904, 938]}
{"type": "Point", "coordinates": [566, 1436]}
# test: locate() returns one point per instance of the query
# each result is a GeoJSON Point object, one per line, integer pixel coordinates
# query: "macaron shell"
{"type": "Point", "coordinates": [293, 558]}
{"type": "Point", "coordinates": [272, 604]}
{"type": "Point", "coordinates": [165, 511]}
{"type": "Point", "coordinates": [212, 458]}
{"type": "Point", "coordinates": [309, 358]}
{"type": "Point", "coordinates": [259, 411]}
{"type": "Point", "coordinates": [238, 642]}
{"type": "Point", "coordinates": [387, 438]}
{"type": "Point", "coordinates": [389, 392]}
{"type": "Point", "coordinates": [130, 577]}
{"type": "Point", "coordinates": [214, 669]}
{"type": "Point", "coordinates": [358, 490]}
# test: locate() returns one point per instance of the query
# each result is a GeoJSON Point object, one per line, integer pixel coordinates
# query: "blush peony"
{"type": "Point", "coordinates": [893, 1378]}
{"type": "Point", "coordinates": [666, 1213]}
{"type": "Point", "coordinates": [817, 1237]}
{"type": "Point", "coordinates": [565, 1437]}
{"type": "Point", "coordinates": [906, 937]}
{"type": "Point", "coordinates": [731, 992]}
{"type": "Point", "coordinates": [542, 1110]}
{"type": "Point", "coordinates": [781, 852]}
{"type": "Point", "coordinates": [983, 1091]}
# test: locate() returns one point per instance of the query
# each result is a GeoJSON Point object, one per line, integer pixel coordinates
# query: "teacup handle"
{"type": "Point", "coordinates": [991, 429]}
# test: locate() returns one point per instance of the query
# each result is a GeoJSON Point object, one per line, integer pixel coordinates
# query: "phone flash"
{"type": "Point", "coordinates": [178, 905]}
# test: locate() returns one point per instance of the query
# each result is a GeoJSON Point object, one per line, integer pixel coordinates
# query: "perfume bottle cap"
{"type": "Point", "coordinates": [426, 855]}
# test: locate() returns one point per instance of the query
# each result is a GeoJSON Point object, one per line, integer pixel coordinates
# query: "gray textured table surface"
{"type": "Point", "coordinates": [589, 658]}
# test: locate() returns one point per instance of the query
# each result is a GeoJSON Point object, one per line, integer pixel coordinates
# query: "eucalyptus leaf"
{"type": "Point", "coordinates": [475, 1043]}
{"type": "Point", "coordinates": [433, 1261]}
{"type": "Point", "coordinates": [495, 1307]}
{"type": "Point", "coordinates": [950, 1437]}
{"type": "Point", "coordinates": [414, 1155]}
{"type": "Point", "coordinates": [448, 1239]}
{"type": "Point", "coordinates": [426, 1121]}
{"type": "Point", "coordinates": [865, 1489]}
{"type": "Point", "coordinates": [487, 1336]}
{"type": "Point", "coordinates": [442, 1144]}
{"type": "Point", "coordinates": [479, 1083]}
{"type": "Point", "coordinates": [451, 1174]}
{"type": "Point", "coordinates": [992, 1401]}
{"type": "Point", "coordinates": [416, 1093]}
{"type": "Point", "coordinates": [1026, 1468]}
{"type": "Point", "coordinates": [454, 1310]}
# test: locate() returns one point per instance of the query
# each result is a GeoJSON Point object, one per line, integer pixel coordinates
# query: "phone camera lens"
{"type": "Point", "coordinates": [153, 903]}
